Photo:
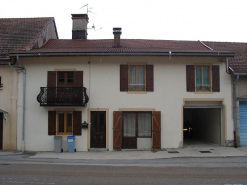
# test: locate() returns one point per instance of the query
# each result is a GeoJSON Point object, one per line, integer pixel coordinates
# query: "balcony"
{"type": "Point", "coordinates": [63, 96]}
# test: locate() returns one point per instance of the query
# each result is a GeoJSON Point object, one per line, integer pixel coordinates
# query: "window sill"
{"type": "Point", "coordinates": [136, 92]}
{"type": "Point", "coordinates": [203, 92]}
{"type": "Point", "coordinates": [64, 134]}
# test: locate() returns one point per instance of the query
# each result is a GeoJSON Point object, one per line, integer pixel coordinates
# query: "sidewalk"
{"type": "Point", "coordinates": [131, 155]}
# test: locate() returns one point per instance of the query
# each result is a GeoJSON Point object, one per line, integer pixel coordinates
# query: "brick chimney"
{"type": "Point", "coordinates": [79, 26]}
{"type": "Point", "coordinates": [117, 32]}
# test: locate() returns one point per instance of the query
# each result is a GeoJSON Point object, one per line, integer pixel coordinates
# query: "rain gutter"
{"type": "Point", "coordinates": [23, 69]}
{"type": "Point", "coordinates": [128, 54]}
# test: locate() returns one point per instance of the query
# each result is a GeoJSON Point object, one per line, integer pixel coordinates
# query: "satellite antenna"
{"type": "Point", "coordinates": [89, 11]}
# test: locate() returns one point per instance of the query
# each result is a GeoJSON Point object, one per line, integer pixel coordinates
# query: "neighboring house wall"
{"type": "Point", "coordinates": [49, 33]}
{"type": "Point", "coordinates": [241, 87]}
{"type": "Point", "coordinates": [102, 79]}
{"type": "Point", "coordinates": [8, 102]}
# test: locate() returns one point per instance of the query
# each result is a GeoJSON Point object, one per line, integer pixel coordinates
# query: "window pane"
{"type": "Point", "coordinates": [69, 122]}
{"type": "Point", "coordinates": [144, 124]}
{"type": "Point", "coordinates": [69, 79]}
{"type": "Point", "coordinates": [132, 78]}
{"type": "Point", "coordinates": [102, 122]}
{"type": "Point", "coordinates": [198, 78]}
{"type": "Point", "coordinates": [61, 122]}
{"type": "Point", "coordinates": [129, 124]}
{"type": "Point", "coordinates": [61, 77]}
{"type": "Point", "coordinates": [206, 78]}
{"type": "Point", "coordinates": [141, 77]}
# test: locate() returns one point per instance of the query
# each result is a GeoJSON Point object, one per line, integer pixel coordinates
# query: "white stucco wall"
{"type": "Point", "coordinates": [101, 78]}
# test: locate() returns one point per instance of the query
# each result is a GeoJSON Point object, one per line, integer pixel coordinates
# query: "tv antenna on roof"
{"type": "Point", "coordinates": [89, 11]}
{"type": "Point", "coordinates": [93, 27]}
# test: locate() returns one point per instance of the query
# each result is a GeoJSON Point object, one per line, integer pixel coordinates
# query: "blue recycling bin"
{"type": "Point", "coordinates": [71, 144]}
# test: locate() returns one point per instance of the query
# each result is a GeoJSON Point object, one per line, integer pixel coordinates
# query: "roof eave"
{"type": "Point", "coordinates": [219, 54]}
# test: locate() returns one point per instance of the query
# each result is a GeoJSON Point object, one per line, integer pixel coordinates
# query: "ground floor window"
{"type": "Point", "coordinates": [65, 120]}
{"type": "Point", "coordinates": [137, 124]}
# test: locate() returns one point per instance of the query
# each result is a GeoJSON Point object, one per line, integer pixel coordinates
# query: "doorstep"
{"type": "Point", "coordinates": [97, 149]}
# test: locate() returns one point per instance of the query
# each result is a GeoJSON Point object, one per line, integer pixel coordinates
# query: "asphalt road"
{"type": "Point", "coordinates": [21, 169]}
{"type": "Point", "coordinates": [84, 174]}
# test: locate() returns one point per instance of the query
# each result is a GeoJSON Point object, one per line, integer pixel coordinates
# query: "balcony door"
{"type": "Point", "coordinates": [64, 84]}
{"type": "Point", "coordinates": [98, 129]}
{"type": "Point", "coordinates": [1, 131]}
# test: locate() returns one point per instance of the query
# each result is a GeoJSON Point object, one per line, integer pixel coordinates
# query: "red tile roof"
{"type": "Point", "coordinates": [16, 34]}
{"type": "Point", "coordinates": [237, 63]}
{"type": "Point", "coordinates": [127, 46]}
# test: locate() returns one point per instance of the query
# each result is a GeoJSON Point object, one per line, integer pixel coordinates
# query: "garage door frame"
{"type": "Point", "coordinates": [192, 103]}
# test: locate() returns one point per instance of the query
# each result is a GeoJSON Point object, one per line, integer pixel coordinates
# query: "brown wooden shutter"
{"type": "Point", "coordinates": [157, 130]}
{"type": "Point", "coordinates": [76, 122]}
{"type": "Point", "coordinates": [78, 79]}
{"type": "Point", "coordinates": [215, 79]}
{"type": "Point", "coordinates": [149, 78]}
{"type": "Point", "coordinates": [51, 84]}
{"type": "Point", "coordinates": [190, 78]}
{"type": "Point", "coordinates": [123, 77]}
{"type": "Point", "coordinates": [117, 130]}
{"type": "Point", "coordinates": [51, 122]}
{"type": "Point", "coordinates": [51, 79]}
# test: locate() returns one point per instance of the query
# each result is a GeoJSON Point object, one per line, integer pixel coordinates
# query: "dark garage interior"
{"type": "Point", "coordinates": [202, 127]}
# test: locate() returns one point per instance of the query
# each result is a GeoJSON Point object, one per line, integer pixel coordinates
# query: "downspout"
{"type": "Point", "coordinates": [235, 110]}
{"type": "Point", "coordinates": [23, 69]}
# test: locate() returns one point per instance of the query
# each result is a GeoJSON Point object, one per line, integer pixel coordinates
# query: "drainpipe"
{"type": "Point", "coordinates": [23, 69]}
{"type": "Point", "coordinates": [235, 111]}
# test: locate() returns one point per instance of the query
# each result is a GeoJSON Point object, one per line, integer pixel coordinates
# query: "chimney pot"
{"type": "Point", "coordinates": [117, 32]}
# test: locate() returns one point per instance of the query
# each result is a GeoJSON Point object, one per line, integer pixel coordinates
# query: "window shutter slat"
{"type": "Point", "coordinates": [51, 122]}
{"type": "Point", "coordinates": [76, 122]}
{"type": "Point", "coordinates": [117, 130]}
{"type": "Point", "coordinates": [78, 79]}
{"type": "Point", "coordinates": [157, 130]}
{"type": "Point", "coordinates": [51, 82]}
{"type": "Point", "coordinates": [51, 79]}
{"type": "Point", "coordinates": [149, 78]}
{"type": "Point", "coordinates": [190, 78]}
{"type": "Point", "coordinates": [123, 77]}
{"type": "Point", "coordinates": [215, 78]}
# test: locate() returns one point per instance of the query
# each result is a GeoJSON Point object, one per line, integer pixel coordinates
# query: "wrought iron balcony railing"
{"type": "Point", "coordinates": [62, 96]}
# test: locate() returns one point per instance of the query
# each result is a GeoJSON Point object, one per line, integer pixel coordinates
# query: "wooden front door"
{"type": "Point", "coordinates": [98, 129]}
{"type": "Point", "coordinates": [129, 130]}
{"type": "Point", "coordinates": [1, 131]}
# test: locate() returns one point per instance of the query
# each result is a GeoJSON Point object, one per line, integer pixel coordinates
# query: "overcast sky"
{"type": "Point", "coordinates": [206, 20]}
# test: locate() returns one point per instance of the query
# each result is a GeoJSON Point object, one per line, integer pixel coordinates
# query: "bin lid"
{"type": "Point", "coordinates": [57, 137]}
{"type": "Point", "coordinates": [71, 137]}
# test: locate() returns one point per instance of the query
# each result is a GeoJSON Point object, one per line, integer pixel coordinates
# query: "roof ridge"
{"type": "Point", "coordinates": [205, 45]}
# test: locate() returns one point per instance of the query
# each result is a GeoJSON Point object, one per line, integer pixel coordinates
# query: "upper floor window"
{"type": "Point", "coordinates": [65, 79]}
{"type": "Point", "coordinates": [136, 78]}
{"type": "Point", "coordinates": [202, 78]}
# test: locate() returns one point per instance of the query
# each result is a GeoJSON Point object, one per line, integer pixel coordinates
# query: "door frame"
{"type": "Point", "coordinates": [207, 103]}
{"type": "Point", "coordinates": [1, 128]}
{"type": "Point", "coordinates": [98, 132]}
{"type": "Point", "coordinates": [106, 110]}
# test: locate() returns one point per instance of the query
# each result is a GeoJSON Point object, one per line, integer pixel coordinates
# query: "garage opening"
{"type": "Point", "coordinates": [202, 126]}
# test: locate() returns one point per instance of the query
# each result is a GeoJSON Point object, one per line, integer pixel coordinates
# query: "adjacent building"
{"type": "Point", "coordinates": [16, 35]}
